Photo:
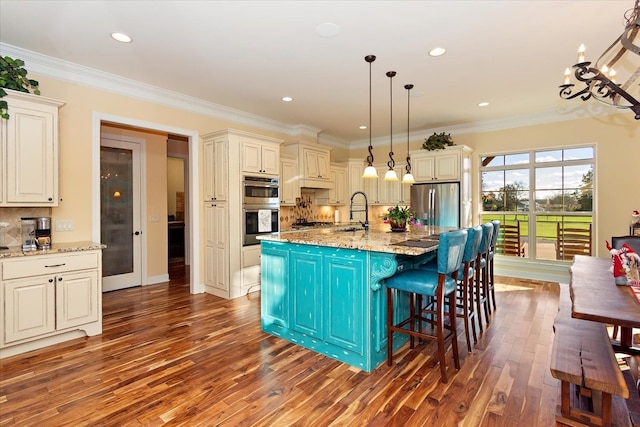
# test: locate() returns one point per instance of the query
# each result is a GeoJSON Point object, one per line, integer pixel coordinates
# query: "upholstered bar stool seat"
{"type": "Point", "coordinates": [437, 285]}
{"type": "Point", "coordinates": [465, 291]}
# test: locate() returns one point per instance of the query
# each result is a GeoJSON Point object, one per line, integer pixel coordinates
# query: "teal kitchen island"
{"type": "Point", "coordinates": [324, 288]}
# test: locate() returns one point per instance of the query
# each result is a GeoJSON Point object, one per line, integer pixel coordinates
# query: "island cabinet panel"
{"type": "Point", "coordinates": [344, 279]}
{"type": "Point", "coordinates": [306, 271]}
{"type": "Point", "coordinates": [328, 299]}
{"type": "Point", "coordinates": [275, 299]}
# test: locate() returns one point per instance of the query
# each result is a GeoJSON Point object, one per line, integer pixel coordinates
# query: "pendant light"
{"type": "Point", "coordinates": [408, 176]}
{"type": "Point", "coordinates": [370, 170]}
{"type": "Point", "coordinates": [391, 174]}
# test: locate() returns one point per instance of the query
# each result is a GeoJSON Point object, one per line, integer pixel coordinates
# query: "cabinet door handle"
{"type": "Point", "coordinates": [59, 279]}
{"type": "Point", "coordinates": [50, 280]}
{"type": "Point", "coordinates": [55, 265]}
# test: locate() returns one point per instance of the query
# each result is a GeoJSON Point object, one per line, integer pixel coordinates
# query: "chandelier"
{"type": "Point", "coordinates": [620, 62]}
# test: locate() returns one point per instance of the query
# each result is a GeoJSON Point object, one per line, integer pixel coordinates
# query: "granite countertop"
{"type": "Point", "coordinates": [16, 251]}
{"type": "Point", "coordinates": [377, 239]}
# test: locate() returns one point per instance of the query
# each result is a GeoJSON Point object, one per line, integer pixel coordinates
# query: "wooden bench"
{"type": "Point", "coordinates": [583, 360]}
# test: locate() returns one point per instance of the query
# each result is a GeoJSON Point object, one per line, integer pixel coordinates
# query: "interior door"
{"type": "Point", "coordinates": [120, 214]}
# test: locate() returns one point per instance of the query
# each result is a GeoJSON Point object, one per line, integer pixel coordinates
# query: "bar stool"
{"type": "Point", "coordinates": [492, 251]}
{"type": "Point", "coordinates": [482, 275]}
{"type": "Point", "coordinates": [465, 302]}
{"type": "Point", "coordinates": [437, 284]}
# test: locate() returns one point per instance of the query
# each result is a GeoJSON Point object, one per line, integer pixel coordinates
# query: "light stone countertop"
{"type": "Point", "coordinates": [16, 251]}
{"type": "Point", "coordinates": [377, 239]}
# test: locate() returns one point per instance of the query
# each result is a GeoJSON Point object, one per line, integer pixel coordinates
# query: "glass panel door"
{"type": "Point", "coordinates": [119, 213]}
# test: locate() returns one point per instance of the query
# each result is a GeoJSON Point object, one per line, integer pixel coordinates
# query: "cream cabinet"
{"type": "Point", "coordinates": [313, 164]}
{"type": "Point", "coordinates": [215, 174]}
{"type": "Point", "coordinates": [48, 296]}
{"type": "Point", "coordinates": [29, 151]}
{"type": "Point", "coordinates": [236, 155]}
{"type": "Point", "coordinates": [250, 269]}
{"type": "Point", "coordinates": [217, 247]}
{"type": "Point", "coordinates": [260, 157]}
{"type": "Point", "coordinates": [289, 184]}
{"type": "Point", "coordinates": [338, 193]}
{"type": "Point", "coordinates": [439, 165]}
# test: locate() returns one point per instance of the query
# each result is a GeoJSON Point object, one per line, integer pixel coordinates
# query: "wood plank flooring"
{"type": "Point", "coordinates": [168, 357]}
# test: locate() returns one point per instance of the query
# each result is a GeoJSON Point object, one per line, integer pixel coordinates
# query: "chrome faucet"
{"type": "Point", "coordinates": [365, 224]}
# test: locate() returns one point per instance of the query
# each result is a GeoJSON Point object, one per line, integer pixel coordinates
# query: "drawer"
{"type": "Point", "coordinates": [36, 265]}
{"type": "Point", "coordinates": [251, 256]}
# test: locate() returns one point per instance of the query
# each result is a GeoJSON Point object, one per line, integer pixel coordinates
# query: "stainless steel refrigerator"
{"type": "Point", "coordinates": [437, 204]}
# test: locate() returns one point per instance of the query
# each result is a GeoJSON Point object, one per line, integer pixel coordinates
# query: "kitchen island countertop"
{"type": "Point", "coordinates": [377, 239]}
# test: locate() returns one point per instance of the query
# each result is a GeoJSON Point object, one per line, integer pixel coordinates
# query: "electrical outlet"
{"type": "Point", "coordinates": [155, 218]}
{"type": "Point", "coordinates": [66, 225]}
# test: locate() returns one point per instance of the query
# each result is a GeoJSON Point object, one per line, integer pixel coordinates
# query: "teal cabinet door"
{"type": "Point", "coordinates": [306, 293]}
{"type": "Point", "coordinates": [344, 306]}
{"type": "Point", "coordinates": [275, 286]}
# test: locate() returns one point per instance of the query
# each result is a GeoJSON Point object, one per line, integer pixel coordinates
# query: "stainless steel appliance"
{"type": "Point", "coordinates": [43, 232]}
{"type": "Point", "coordinates": [28, 229]}
{"type": "Point", "coordinates": [260, 191]}
{"type": "Point", "coordinates": [259, 220]}
{"type": "Point", "coordinates": [437, 204]}
{"type": "Point", "coordinates": [260, 208]}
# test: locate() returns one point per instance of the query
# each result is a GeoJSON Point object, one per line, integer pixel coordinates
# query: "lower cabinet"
{"type": "Point", "coordinates": [325, 302]}
{"type": "Point", "coordinates": [47, 295]}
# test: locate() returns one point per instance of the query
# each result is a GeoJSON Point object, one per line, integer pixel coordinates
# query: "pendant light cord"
{"type": "Point", "coordinates": [408, 88]}
{"type": "Point", "coordinates": [370, 59]}
{"type": "Point", "coordinates": [391, 163]}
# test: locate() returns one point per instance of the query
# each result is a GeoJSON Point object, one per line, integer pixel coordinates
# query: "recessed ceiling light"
{"type": "Point", "coordinates": [437, 51]}
{"type": "Point", "coordinates": [483, 104]}
{"type": "Point", "coordinates": [287, 98]}
{"type": "Point", "coordinates": [362, 127]}
{"type": "Point", "coordinates": [327, 29]}
{"type": "Point", "coordinates": [121, 37]}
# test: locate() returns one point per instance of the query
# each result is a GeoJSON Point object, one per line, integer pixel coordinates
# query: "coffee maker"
{"type": "Point", "coordinates": [36, 233]}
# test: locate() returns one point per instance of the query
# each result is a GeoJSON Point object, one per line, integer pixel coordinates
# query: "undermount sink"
{"type": "Point", "coordinates": [350, 229]}
{"type": "Point", "coordinates": [417, 243]}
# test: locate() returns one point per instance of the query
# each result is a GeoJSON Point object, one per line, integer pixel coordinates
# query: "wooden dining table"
{"type": "Point", "coordinates": [596, 297]}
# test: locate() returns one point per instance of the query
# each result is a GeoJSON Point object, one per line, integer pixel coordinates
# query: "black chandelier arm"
{"type": "Point", "coordinates": [599, 86]}
{"type": "Point", "coordinates": [408, 167]}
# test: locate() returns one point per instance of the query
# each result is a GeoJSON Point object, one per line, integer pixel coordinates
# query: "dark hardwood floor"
{"type": "Point", "coordinates": [168, 357]}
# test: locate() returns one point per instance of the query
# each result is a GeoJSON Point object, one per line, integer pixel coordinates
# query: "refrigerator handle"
{"type": "Point", "coordinates": [431, 206]}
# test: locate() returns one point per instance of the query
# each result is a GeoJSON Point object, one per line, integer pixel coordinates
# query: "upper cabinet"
{"type": "Point", "coordinates": [337, 195]}
{"type": "Point", "coordinates": [215, 154]}
{"type": "Point", "coordinates": [289, 188]}
{"type": "Point", "coordinates": [29, 151]}
{"type": "Point", "coordinates": [439, 165]}
{"type": "Point", "coordinates": [313, 164]}
{"type": "Point", "coordinates": [260, 157]}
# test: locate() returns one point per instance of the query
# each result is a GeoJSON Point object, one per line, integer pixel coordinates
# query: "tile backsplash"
{"type": "Point", "coordinates": [10, 235]}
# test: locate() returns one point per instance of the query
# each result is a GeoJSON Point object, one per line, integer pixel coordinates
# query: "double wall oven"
{"type": "Point", "coordinates": [260, 208]}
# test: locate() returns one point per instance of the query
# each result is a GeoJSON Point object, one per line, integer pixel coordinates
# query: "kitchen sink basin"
{"type": "Point", "coordinates": [417, 243]}
{"type": "Point", "coordinates": [350, 229]}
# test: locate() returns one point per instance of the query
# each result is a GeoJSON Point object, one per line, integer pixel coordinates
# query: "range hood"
{"type": "Point", "coordinates": [316, 184]}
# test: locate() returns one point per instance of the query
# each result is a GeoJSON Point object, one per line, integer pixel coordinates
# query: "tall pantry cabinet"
{"type": "Point", "coordinates": [230, 269]}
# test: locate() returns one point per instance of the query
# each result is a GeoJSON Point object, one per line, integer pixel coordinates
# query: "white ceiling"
{"type": "Point", "coordinates": [248, 54]}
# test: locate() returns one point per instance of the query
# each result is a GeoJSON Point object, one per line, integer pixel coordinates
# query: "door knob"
{"type": "Point", "coordinates": [137, 233]}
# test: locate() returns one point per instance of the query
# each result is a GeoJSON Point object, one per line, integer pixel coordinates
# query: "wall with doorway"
{"type": "Point", "coordinates": [175, 187]}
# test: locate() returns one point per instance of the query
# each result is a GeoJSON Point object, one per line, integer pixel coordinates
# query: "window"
{"type": "Point", "coordinates": [548, 194]}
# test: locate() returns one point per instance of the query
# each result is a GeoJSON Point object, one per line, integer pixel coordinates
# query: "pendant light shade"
{"type": "Point", "coordinates": [370, 170]}
{"type": "Point", "coordinates": [391, 173]}
{"type": "Point", "coordinates": [408, 176]}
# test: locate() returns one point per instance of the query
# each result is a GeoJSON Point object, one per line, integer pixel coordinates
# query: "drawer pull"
{"type": "Point", "coordinates": [56, 265]}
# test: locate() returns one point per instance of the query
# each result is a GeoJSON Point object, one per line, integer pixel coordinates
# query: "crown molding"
{"type": "Point", "coordinates": [77, 74]}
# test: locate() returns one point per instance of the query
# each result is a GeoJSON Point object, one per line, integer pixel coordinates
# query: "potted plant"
{"type": "Point", "coordinates": [398, 217]}
{"type": "Point", "coordinates": [437, 141]}
{"type": "Point", "coordinates": [13, 76]}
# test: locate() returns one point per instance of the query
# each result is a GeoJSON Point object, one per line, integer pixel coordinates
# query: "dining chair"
{"type": "Point", "coordinates": [509, 240]}
{"type": "Point", "coordinates": [572, 239]}
{"type": "Point", "coordinates": [437, 284]}
{"type": "Point", "coordinates": [481, 275]}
